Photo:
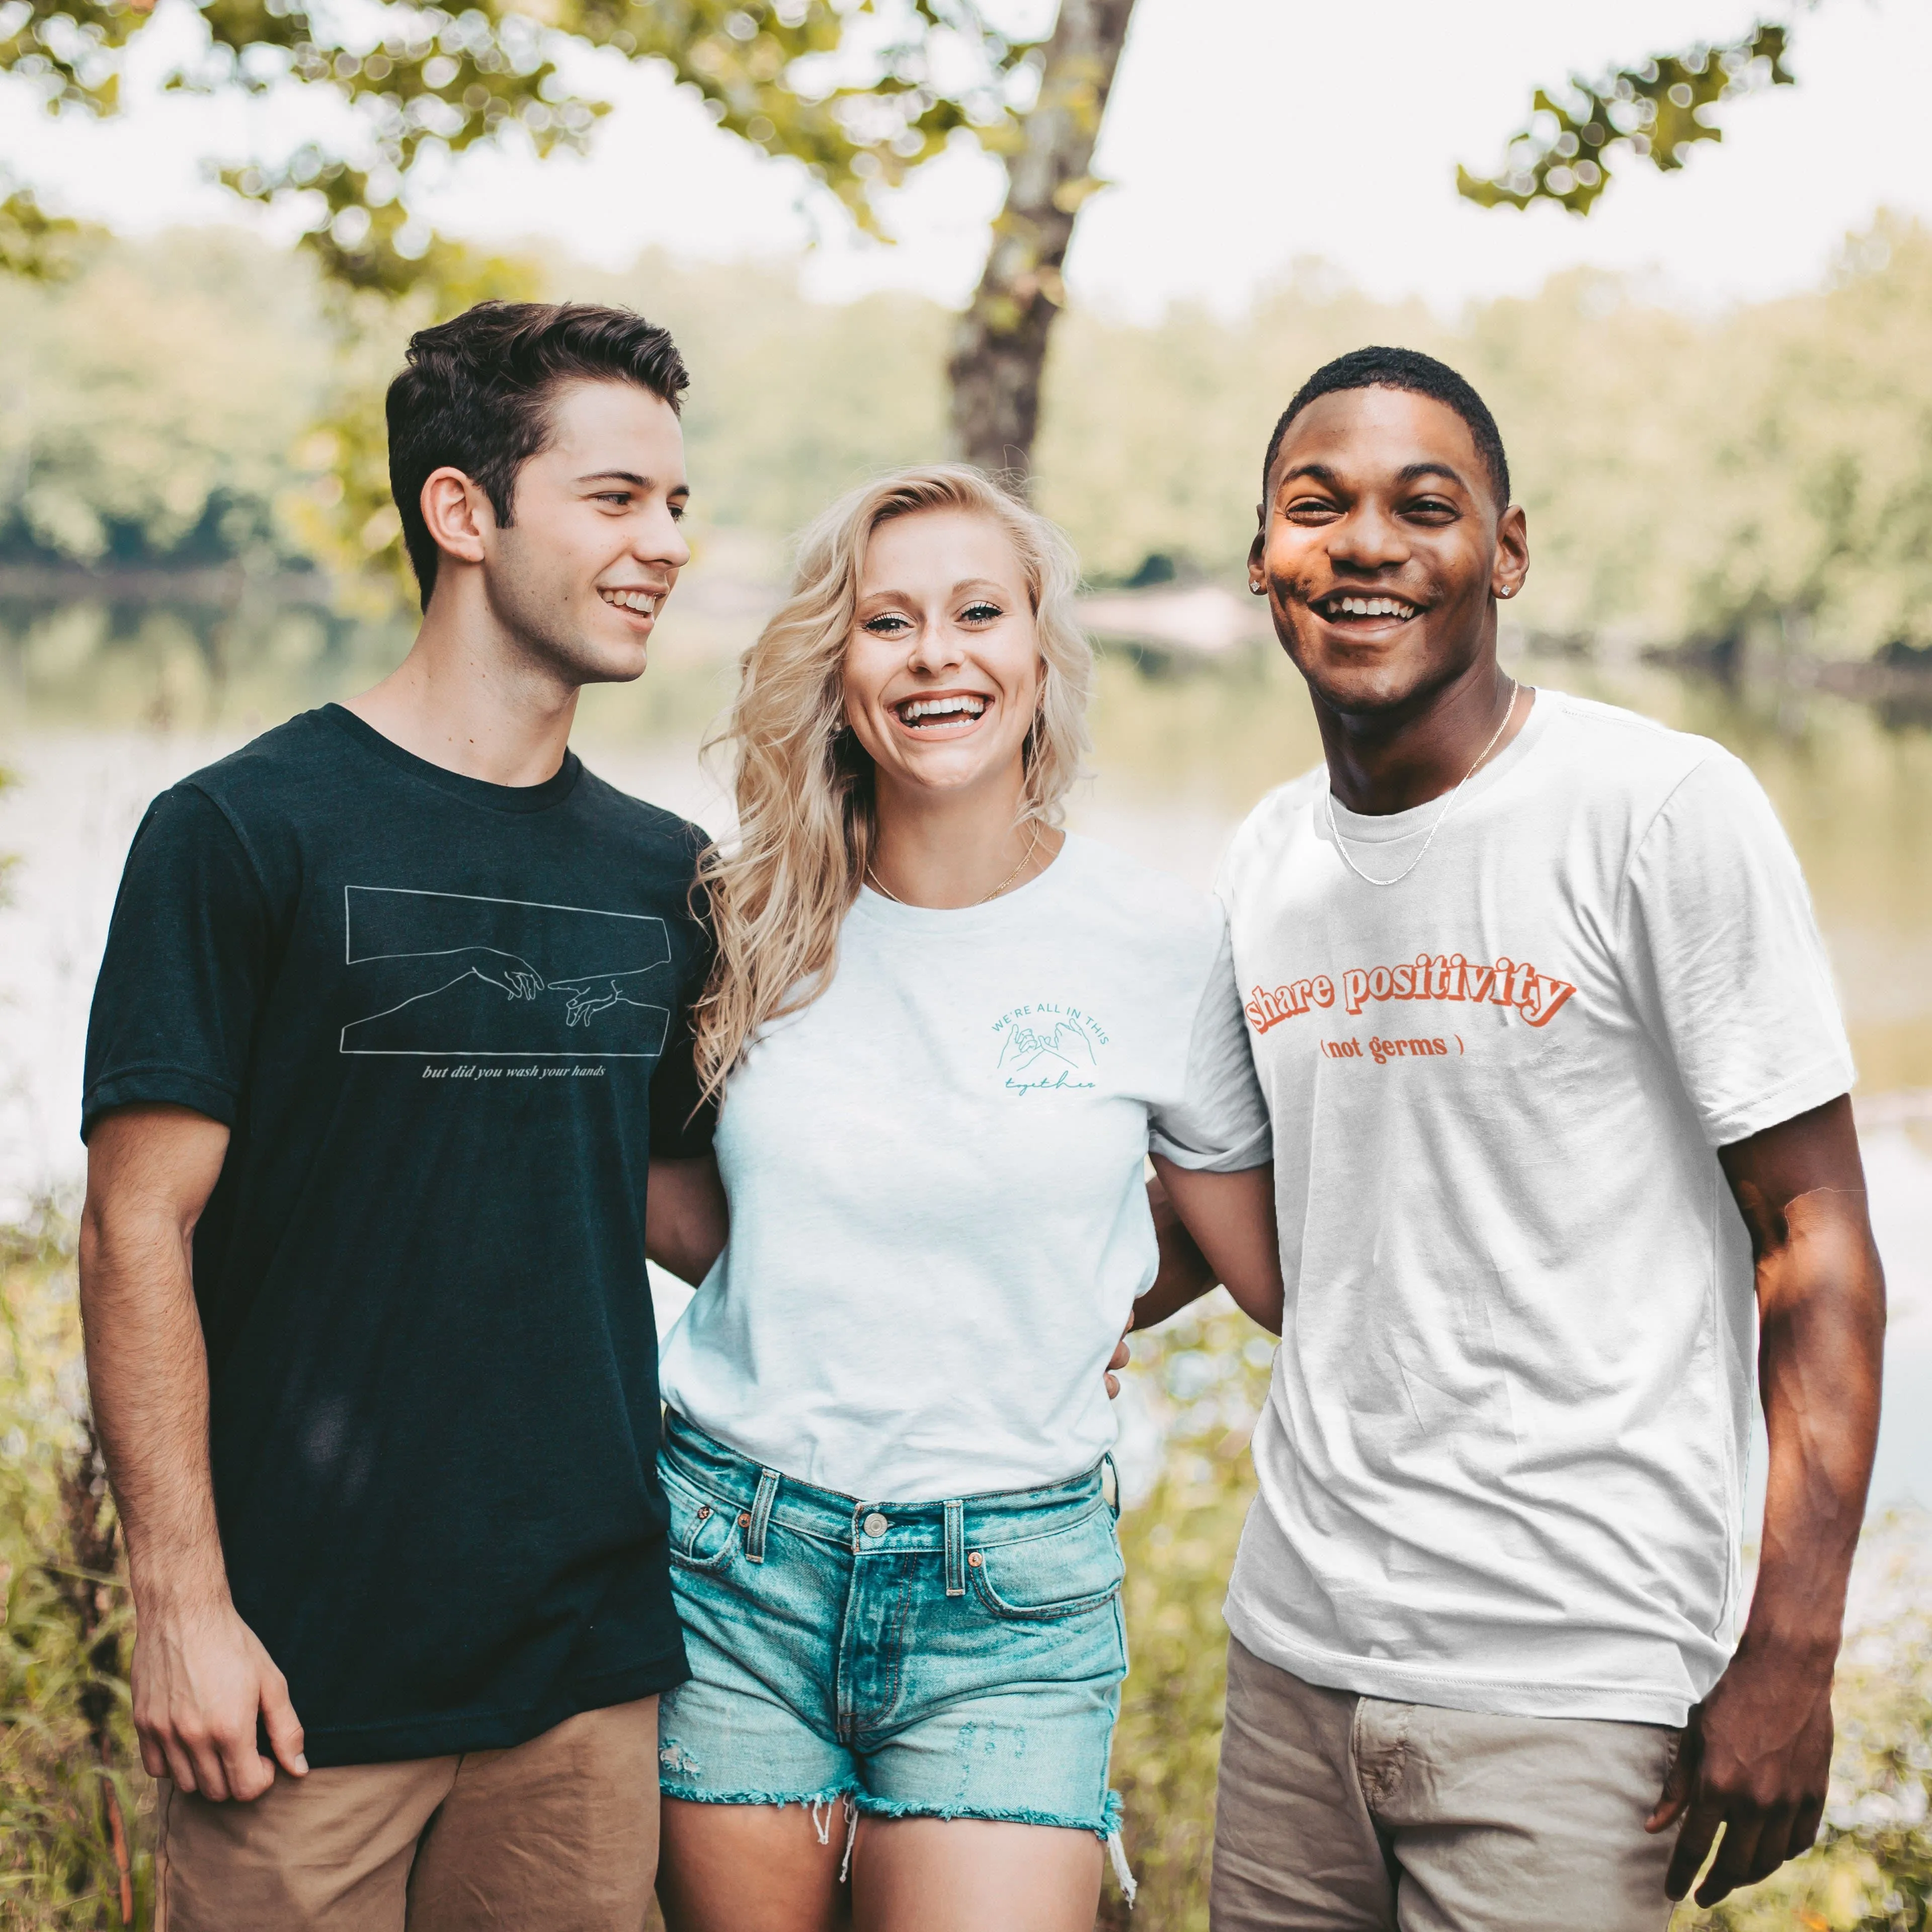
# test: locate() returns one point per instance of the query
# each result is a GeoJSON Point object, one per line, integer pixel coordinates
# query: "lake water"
{"type": "Point", "coordinates": [1182, 753]}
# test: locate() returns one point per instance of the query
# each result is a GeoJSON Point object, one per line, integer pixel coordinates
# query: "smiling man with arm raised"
{"type": "Point", "coordinates": [362, 1264]}
{"type": "Point", "coordinates": [1558, 1085]}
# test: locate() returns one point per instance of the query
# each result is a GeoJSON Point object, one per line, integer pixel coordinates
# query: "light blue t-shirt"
{"type": "Point", "coordinates": [939, 1221]}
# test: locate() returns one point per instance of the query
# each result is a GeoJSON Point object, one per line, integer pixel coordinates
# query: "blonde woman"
{"type": "Point", "coordinates": [947, 1034]}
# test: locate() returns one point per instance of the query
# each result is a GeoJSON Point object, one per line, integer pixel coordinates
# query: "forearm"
{"type": "Point", "coordinates": [148, 1373]}
{"type": "Point", "coordinates": [1821, 1295]}
{"type": "Point", "coordinates": [1183, 1273]}
{"type": "Point", "coordinates": [1230, 1219]}
{"type": "Point", "coordinates": [687, 1218]}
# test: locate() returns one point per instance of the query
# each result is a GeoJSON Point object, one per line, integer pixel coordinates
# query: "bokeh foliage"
{"type": "Point", "coordinates": [858, 92]}
{"type": "Point", "coordinates": [1655, 111]}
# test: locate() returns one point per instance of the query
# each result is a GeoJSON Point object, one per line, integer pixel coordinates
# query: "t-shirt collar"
{"type": "Point", "coordinates": [1364, 829]}
{"type": "Point", "coordinates": [1020, 902]}
{"type": "Point", "coordinates": [554, 789]}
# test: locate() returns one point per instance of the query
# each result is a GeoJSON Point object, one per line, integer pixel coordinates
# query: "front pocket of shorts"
{"type": "Point", "coordinates": [1061, 1574]}
{"type": "Point", "coordinates": [702, 1528]}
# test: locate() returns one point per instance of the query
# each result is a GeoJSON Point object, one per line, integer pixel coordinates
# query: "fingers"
{"type": "Point", "coordinates": [1677, 1780]}
{"type": "Point", "coordinates": [1804, 1824]}
{"type": "Point", "coordinates": [1113, 1387]}
{"type": "Point", "coordinates": [283, 1726]}
{"type": "Point", "coordinates": [1693, 1847]}
{"type": "Point", "coordinates": [1736, 1861]}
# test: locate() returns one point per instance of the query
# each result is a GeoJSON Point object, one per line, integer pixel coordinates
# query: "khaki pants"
{"type": "Point", "coordinates": [560, 1835]}
{"type": "Point", "coordinates": [1337, 1812]}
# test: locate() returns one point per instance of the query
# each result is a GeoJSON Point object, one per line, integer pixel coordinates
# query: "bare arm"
{"type": "Point", "coordinates": [1231, 1217]}
{"type": "Point", "coordinates": [687, 1218]}
{"type": "Point", "coordinates": [201, 1677]}
{"type": "Point", "coordinates": [1757, 1751]}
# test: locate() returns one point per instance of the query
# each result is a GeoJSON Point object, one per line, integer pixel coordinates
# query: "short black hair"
{"type": "Point", "coordinates": [475, 394]}
{"type": "Point", "coordinates": [1380, 368]}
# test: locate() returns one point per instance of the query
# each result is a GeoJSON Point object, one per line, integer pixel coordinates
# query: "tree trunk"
{"type": "Point", "coordinates": [999, 347]}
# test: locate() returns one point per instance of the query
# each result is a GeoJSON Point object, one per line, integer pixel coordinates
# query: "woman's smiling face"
{"type": "Point", "coordinates": [943, 671]}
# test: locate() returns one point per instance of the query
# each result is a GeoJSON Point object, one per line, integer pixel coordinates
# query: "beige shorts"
{"type": "Point", "coordinates": [559, 1834]}
{"type": "Point", "coordinates": [1354, 1814]}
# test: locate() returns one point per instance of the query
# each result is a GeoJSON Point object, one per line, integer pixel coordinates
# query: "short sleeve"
{"type": "Point", "coordinates": [1718, 936]}
{"type": "Point", "coordinates": [186, 964]}
{"type": "Point", "coordinates": [682, 1121]}
{"type": "Point", "coordinates": [1221, 1121]}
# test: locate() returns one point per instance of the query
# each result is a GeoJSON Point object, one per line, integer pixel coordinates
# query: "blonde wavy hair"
{"type": "Point", "coordinates": [779, 891]}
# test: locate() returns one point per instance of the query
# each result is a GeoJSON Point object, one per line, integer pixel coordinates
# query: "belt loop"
{"type": "Point", "coordinates": [955, 1550]}
{"type": "Point", "coordinates": [1110, 1486]}
{"type": "Point", "coordinates": [761, 1515]}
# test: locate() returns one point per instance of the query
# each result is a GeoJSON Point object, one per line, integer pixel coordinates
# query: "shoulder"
{"type": "Point", "coordinates": [1281, 817]}
{"type": "Point", "coordinates": [1609, 749]}
{"type": "Point", "coordinates": [1118, 892]}
{"type": "Point", "coordinates": [638, 820]}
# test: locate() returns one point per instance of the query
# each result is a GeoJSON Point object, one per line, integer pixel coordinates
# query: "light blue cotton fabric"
{"type": "Point", "coordinates": [951, 1660]}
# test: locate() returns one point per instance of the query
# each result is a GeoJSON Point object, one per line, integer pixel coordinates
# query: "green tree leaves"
{"type": "Point", "coordinates": [1655, 111]}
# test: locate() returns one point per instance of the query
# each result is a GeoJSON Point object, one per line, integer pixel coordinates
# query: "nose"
{"type": "Point", "coordinates": [1367, 540]}
{"type": "Point", "coordinates": [936, 647]}
{"type": "Point", "coordinates": [661, 542]}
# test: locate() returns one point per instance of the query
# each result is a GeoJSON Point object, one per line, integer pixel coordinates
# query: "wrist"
{"type": "Point", "coordinates": [170, 1588]}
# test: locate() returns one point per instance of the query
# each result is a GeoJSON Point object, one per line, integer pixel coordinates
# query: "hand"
{"type": "Point", "coordinates": [1755, 1759]}
{"type": "Point", "coordinates": [200, 1679]}
{"type": "Point", "coordinates": [510, 975]}
{"type": "Point", "coordinates": [1119, 1359]}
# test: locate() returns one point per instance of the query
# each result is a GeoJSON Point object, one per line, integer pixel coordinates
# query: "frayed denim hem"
{"type": "Point", "coordinates": [690, 1794]}
{"type": "Point", "coordinates": [1106, 1826]}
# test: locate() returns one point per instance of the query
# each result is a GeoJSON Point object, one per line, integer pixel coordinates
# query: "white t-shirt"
{"type": "Point", "coordinates": [1502, 1458]}
{"type": "Point", "coordinates": [939, 1220]}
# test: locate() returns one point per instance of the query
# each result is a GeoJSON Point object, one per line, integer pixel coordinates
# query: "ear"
{"type": "Point", "coordinates": [1512, 562]}
{"type": "Point", "coordinates": [1257, 577]}
{"type": "Point", "coordinates": [458, 514]}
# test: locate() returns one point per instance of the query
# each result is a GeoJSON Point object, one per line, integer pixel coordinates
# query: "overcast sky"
{"type": "Point", "coordinates": [1243, 134]}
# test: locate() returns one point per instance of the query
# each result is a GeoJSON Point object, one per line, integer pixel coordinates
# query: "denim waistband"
{"type": "Point", "coordinates": [764, 1496]}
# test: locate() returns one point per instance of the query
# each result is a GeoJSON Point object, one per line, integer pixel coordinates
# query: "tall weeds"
{"type": "Point", "coordinates": [73, 1800]}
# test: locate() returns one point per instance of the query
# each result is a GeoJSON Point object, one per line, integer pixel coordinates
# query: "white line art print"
{"type": "Point", "coordinates": [444, 973]}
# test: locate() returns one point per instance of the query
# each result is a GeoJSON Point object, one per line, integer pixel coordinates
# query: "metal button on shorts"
{"type": "Point", "coordinates": [875, 1524]}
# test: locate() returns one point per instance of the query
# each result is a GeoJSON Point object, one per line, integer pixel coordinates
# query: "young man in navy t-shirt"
{"type": "Point", "coordinates": [391, 1027]}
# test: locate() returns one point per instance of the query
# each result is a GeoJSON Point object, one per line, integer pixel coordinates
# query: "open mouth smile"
{"type": "Point", "coordinates": [639, 603]}
{"type": "Point", "coordinates": [1351, 607]}
{"type": "Point", "coordinates": [946, 714]}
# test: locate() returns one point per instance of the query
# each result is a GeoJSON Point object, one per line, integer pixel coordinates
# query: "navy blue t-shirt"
{"type": "Point", "coordinates": [447, 1024]}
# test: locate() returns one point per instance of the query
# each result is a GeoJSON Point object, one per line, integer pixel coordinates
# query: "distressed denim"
{"type": "Point", "coordinates": [947, 1660]}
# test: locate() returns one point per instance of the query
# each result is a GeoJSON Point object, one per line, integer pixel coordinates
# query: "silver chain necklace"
{"type": "Point", "coordinates": [1448, 804]}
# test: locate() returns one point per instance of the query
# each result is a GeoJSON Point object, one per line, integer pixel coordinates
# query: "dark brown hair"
{"type": "Point", "coordinates": [475, 396]}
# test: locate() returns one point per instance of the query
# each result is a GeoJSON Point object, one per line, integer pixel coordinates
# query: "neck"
{"type": "Point", "coordinates": [469, 698]}
{"type": "Point", "coordinates": [947, 850]}
{"type": "Point", "coordinates": [1391, 761]}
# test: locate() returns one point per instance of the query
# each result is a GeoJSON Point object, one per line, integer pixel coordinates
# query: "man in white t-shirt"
{"type": "Point", "coordinates": [1562, 1150]}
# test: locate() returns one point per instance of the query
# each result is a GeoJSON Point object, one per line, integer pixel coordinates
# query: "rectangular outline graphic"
{"type": "Point", "coordinates": [585, 1053]}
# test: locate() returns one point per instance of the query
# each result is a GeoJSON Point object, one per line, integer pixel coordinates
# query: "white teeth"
{"type": "Point", "coordinates": [642, 601]}
{"type": "Point", "coordinates": [941, 707]}
{"type": "Point", "coordinates": [1370, 606]}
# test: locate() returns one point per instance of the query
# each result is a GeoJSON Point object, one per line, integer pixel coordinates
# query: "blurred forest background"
{"type": "Point", "coordinates": [1736, 483]}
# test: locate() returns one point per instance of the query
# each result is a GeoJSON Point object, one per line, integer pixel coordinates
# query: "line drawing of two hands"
{"type": "Point", "coordinates": [588, 994]}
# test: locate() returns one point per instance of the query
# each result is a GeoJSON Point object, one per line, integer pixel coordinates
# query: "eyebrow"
{"type": "Point", "coordinates": [1411, 472]}
{"type": "Point", "coordinates": [631, 477]}
{"type": "Point", "coordinates": [958, 589]}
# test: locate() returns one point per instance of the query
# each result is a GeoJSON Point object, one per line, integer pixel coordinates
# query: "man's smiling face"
{"type": "Point", "coordinates": [1380, 547]}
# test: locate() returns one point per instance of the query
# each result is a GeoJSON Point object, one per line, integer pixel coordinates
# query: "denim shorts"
{"type": "Point", "coordinates": [943, 1659]}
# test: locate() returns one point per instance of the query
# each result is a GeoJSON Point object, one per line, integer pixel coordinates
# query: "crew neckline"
{"type": "Point", "coordinates": [1384, 828]}
{"type": "Point", "coordinates": [540, 797]}
{"type": "Point", "coordinates": [1043, 885]}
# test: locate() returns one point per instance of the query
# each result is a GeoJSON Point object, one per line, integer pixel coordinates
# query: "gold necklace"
{"type": "Point", "coordinates": [1033, 846]}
